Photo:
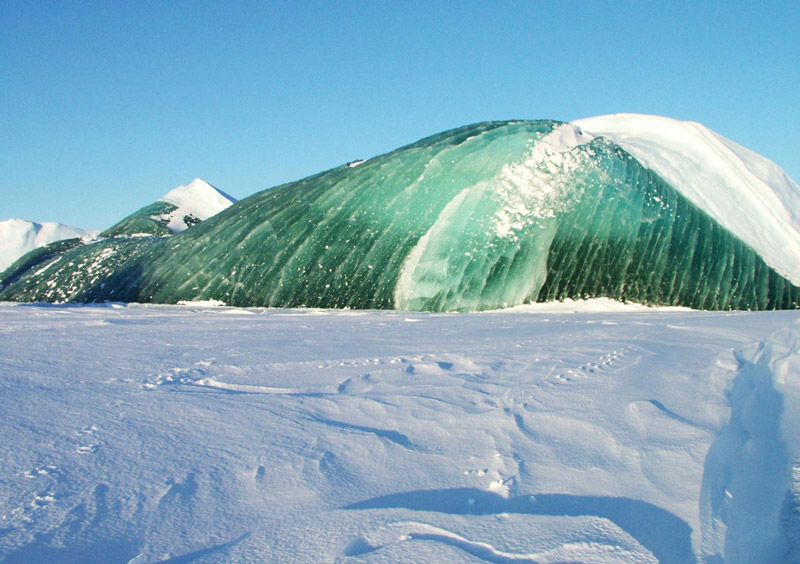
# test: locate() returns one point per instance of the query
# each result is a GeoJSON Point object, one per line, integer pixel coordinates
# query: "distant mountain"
{"type": "Point", "coordinates": [176, 211]}
{"type": "Point", "coordinates": [18, 237]}
{"type": "Point", "coordinates": [491, 215]}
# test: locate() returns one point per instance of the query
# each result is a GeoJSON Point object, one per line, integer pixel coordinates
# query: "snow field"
{"type": "Point", "coordinates": [146, 434]}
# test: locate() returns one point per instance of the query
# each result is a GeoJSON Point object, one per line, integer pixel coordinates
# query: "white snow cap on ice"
{"type": "Point", "coordinates": [18, 237]}
{"type": "Point", "coordinates": [198, 199]}
{"type": "Point", "coordinates": [746, 193]}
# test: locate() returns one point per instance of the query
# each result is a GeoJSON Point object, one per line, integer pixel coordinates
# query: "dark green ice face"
{"type": "Point", "coordinates": [147, 221]}
{"type": "Point", "coordinates": [481, 217]}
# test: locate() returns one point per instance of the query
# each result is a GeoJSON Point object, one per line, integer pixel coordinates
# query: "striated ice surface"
{"type": "Point", "coordinates": [482, 217]}
{"type": "Point", "coordinates": [747, 194]}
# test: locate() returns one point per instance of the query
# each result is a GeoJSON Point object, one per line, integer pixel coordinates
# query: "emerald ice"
{"type": "Point", "coordinates": [481, 217]}
{"type": "Point", "coordinates": [150, 220]}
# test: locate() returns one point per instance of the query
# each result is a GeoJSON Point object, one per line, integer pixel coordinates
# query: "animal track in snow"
{"type": "Point", "coordinates": [442, 365]}
{"type": "Point", "coordinates": [180, 375]}
{"type": "Point", "coordinates": [494, 476]}
{"type": "Point", "coordinates": [47, 479]}
{"type": "Point", "coordinates": [47, 470]}
{"type": "Point", "coordinates": [613, 361]}
{"type": "Point", "coordinates": [357, 385]}
{"type": "Point", "coordinates": [42, 500]}
{"type": "Point", "coordinates": [184, 490]}
{"type": "Point", "coordinates": [87, 430]}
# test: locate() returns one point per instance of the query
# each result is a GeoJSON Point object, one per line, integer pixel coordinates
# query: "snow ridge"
{"type": "Point", "coordinates": [746, 193]}
{"type": "Point", "coordinates": [748, 496]}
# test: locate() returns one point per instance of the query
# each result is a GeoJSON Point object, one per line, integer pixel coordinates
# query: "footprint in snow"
{"type": "Point", "coordinates": [184, 490]}
{"type": "Point", "coordinates": [180, 375]}
{"type": "Point", "coordinates": [458, 367]}
{"type": "Point", "coordinates": [47, 470]}
{"type": "Point", "coordinates": [357, 385]}
{"type": "Point", "coordinates": [87, 430]}
{"type": "Point", "coordinates": [613, 361]}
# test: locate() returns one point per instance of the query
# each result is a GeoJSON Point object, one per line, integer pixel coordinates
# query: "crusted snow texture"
{"type": "Point", "coordinates": [216, 434]}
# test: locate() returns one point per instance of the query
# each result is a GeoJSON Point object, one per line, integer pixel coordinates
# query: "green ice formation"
{"type": "Point", "coordinates": [482, 217]}
{"type": "Point", "coordinates": [150, 220]}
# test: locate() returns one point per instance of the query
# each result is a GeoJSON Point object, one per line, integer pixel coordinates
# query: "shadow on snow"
{"type": "Point", "coordinates": [666, 536]}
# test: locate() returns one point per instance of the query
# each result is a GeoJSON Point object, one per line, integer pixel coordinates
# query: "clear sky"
{"type": "Point", "coordinates": [106, 106]}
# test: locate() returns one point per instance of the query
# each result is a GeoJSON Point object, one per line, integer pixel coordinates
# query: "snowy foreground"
{"type": "Point", "coordinates": [181, 434]}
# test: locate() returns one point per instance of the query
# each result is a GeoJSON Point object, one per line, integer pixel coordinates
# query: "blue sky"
{"type": "Point", "coordinates": [106, 106]}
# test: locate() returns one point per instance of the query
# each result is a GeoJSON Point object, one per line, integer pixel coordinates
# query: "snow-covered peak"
{"type": "Point", "coordinates": [18, 237]}
{"type": "Point", "coordinates": [198, 200]}
{"type": "Point", "coordinates": [746, 193]}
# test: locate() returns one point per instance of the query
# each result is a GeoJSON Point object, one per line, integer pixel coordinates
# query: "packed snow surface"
{"type": "Point", "coordinates": [198, 199]}
{"type": "Point", "coordinates": [18, 237]}
{"type": "Point", "coordinates": [143, 434]}
{"type": "Point", "coordinates": [746, 193]}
